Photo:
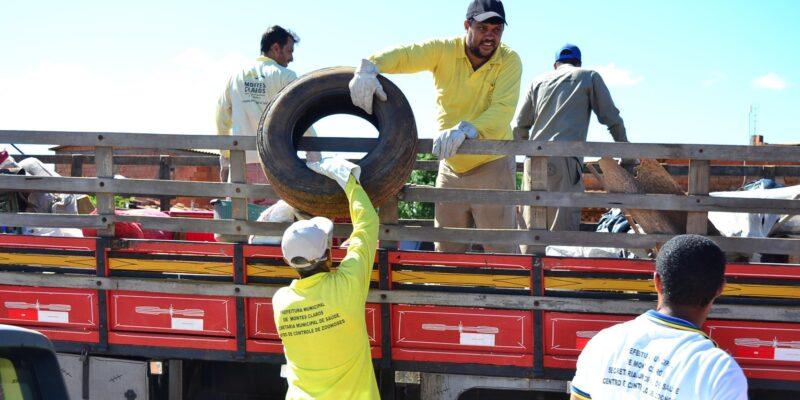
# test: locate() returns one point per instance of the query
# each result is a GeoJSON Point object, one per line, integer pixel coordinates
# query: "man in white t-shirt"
{"type": "Point", "coordinates": [249, 91]}
{"type": "Point", "coordinates": [663, 354]}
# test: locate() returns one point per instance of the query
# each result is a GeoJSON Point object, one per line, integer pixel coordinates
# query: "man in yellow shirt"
{"type": "Point", "coordinates": [320, 317]}
{"type": "Point", "coordinates": [478, 82]}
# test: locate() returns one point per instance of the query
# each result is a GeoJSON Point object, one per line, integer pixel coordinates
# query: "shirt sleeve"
{"type": "Point", "coordinates": [357, 264]}
{"type": "Point", "coordinates": [607, 112]}
{"type": "Point", "coordinates": [493, 124]}
{"type": "Point", "coordinates": [288, 76]}
{"type": "Point", "coordinates": [526, 117]}
{"type": "Point", "coordinates": [410, 59]}
{"type": "Point", "coordinates": [312, 155]}
{"type": "Point", "coordinates": [224, 111]}
{"type": "Point", "coordinates": [732, 384]}
{"type": "Point", "coordinates": [587, 367]}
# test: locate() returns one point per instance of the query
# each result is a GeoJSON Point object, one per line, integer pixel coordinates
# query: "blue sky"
{"type": "Point", "coordinates": [680, 71]}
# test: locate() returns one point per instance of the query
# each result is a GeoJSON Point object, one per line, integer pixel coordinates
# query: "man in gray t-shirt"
{"type": "Point", "coordinates": [557, 108]}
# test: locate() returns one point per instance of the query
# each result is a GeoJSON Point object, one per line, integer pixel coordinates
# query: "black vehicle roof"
{"type": "Point", "coordinates": [15, 337]}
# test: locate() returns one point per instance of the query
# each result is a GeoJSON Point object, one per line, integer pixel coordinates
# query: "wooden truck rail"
{"type": "Point", "coordinates": [698, 202]}
{"type": "Point", "coordinates": [77, 161]}
{"type": "Point", "coordinates": [514, 321]}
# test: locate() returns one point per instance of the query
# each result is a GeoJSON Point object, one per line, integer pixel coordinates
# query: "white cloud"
{"type": "Point", "coordinates": [770, 81]}
{"type": "Point", "coordinates": [616, 76]}
{"type": "Point", "coordinates": [178, 95]}
{"type": "Point", "coordinates": [714, 78]}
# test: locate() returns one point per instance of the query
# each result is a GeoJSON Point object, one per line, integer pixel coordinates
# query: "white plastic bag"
{"type": "Point", "coordinates": [63, 232]}
{"type": "Point", "coordinates": [278, 212]}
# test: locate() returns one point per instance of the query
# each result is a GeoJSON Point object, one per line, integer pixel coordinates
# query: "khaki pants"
{"type": "Point", "coordinates": [497, 174]}
{"type": "Point", "coordinates": [564, 174]}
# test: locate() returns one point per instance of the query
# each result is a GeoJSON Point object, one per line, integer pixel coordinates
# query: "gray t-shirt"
{"type": "Point", "coordinates": [558, 104]}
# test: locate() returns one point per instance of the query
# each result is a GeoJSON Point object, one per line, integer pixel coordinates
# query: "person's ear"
{"type": "Point", "coordinates": [658, 283]}
{"type": "Point", "coordinates": [721, 288]}
{"type": "Point", "coordinates": [466, 24]}
{"type": "Point", "coordinates": [275, 48]}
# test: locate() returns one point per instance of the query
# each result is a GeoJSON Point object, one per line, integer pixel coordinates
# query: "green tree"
{"type": "Point", "coordinates": [413, 209]}
{"type": "Point", "coordinates": [120, 202]}
{"type": "Point", "coordinates": [418, 210]}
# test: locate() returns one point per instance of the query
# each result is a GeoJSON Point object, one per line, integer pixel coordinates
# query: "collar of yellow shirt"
{"type": "Point", "coordinates": [308, 282]}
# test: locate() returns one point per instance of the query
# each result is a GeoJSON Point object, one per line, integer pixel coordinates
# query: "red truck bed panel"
{"type": "Point", "coordinates": [261, 324]}
{"type": "Point", "coordinates": [764, 350]}
{"type": "Point", "coordinates": [419, 333]}
{"type": "Point", "coordinates": [62, 314]}
{"type": "Point", "coordinates": [172, 314]}
{"type": "Point", "coordinates": [465, 335]}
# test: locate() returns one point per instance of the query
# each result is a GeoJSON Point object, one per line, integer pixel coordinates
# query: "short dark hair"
{"type": "Point", "coordinates": [276, 34]}
{"type": "Point", "coordinates": [692, 269]}
{"type": "Point", "coordinates": [570, 61]}
{"type": "Point", "coordinates": [319, 266]}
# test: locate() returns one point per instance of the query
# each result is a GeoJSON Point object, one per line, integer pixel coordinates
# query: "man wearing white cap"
{"type": "Point", "coordinates": [320, 317]}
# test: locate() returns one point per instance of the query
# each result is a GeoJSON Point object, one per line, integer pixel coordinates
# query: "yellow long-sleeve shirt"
{"type": "Point", "coordinates": [321, 318]}
{"type": "Point", "coordinates": [487, 98]}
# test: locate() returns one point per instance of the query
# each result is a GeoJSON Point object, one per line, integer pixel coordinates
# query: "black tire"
{"type": "Point", "coordinates": [385, 168]}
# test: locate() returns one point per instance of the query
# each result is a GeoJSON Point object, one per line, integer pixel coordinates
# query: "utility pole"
{"type": "Point", "coordinates": [752, 127]}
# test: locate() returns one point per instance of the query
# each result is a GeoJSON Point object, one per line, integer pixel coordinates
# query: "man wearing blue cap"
{"type": "Point", "coordinates": [557, 108]}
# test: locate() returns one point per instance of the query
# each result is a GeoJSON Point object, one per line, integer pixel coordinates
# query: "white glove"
{"type": "Point", "coordinates": [313, 156]}
{"type": "Point", "coordinates": [364, 85]}
{"type": "Point", "coordinates": [448, 142]}
{"type": "Point", "coordinates": [336, 168]}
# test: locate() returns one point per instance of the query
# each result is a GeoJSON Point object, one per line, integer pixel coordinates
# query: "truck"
{"type": "Point", "coordinates": [185, 319]}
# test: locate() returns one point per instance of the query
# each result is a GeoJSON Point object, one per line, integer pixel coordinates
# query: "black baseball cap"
{"type": "Point", "coordinates": [481, 10]}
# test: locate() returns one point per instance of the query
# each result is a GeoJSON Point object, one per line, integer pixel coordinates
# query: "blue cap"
{"type": "Point", "coordinates": [569, 52]}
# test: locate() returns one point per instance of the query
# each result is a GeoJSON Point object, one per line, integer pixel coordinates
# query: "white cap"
{"type": "Point", "coordinates": [306, 242]}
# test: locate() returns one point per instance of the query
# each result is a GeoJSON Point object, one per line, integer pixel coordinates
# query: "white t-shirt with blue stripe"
{"type": "Point", "coordinates": [658, 357]}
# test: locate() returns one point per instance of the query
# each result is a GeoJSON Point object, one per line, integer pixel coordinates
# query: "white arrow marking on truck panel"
{"type": "Point", "coordinates": [753, 342]}
{"type": "Point", "coordinates": [189, 312]}
{"type": "Point", "coordinates": [460, 328]}
{"type": "Point", "coordinates": [21, 305]}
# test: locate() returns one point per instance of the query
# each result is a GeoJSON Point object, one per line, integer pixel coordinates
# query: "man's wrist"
{"type": "Point", "coordinates": [469, 129]}
{"type": "Point", "coordinates": [351, 181]}
{"type": "Point", "coordinates": [619, 133]}
{"type": "Point", "coordinates": [367, 67]}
